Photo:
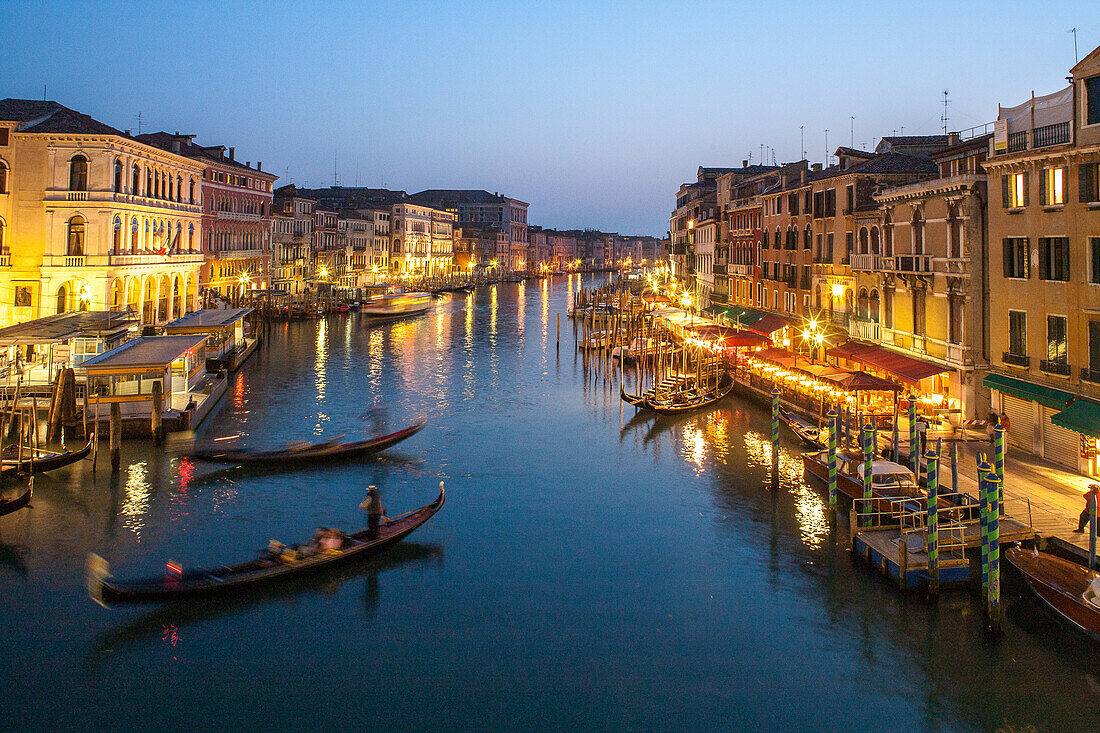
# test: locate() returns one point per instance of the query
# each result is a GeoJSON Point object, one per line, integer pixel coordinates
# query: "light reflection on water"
{"type": "Point", "coordinates": [624, 566]}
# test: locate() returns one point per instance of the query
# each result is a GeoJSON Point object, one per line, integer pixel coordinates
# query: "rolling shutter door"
{"type": "Point", "coordinates": [1021, 421]}
{"type": "Point", "coordinates": [1060, 445]}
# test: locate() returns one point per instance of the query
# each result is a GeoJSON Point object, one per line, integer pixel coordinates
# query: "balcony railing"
{"type": "Point", "coordinates": [1017, 141]}
{"type": "Point", "coordinates": [1056, 134]}
{"type": "Point", "coordinates": [1055, 367]}
{"type": "Point", "coordinates": [912, 263]}
{"type": "Point", "coordinates": [73, 261]}
{"type": "Point", "coordinates": [956, 354]}
{"type": "Point", "coordinates": [77, 196]}
{"type": "Point", "coordinates": [153, 259]}
{"type": "Point", "coordinates": [866, 330]}
{"type": "Point", "coordinates": [951, 265]}
{"type": "Point", "coordinates": [1090, 375]}
{"type": "Point", "coordinates": [1016, 359]}
{"type": "Point", "coordinates": [5, 260]}
{"type": "Point", "coordinates": [743, 270]}
{"type": "Point", "coordinates": [867, 263]}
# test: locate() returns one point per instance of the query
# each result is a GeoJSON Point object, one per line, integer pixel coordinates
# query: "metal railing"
{"type": "Point", "coordinates": [911, 263]}
{"type": "Point", "coordinates": [1056, 134]}
{"type": "Point", "coordinates": [1055, 367]}
{"type": "Point", "coordinates": [1090, 375]}
{"type": "Point", "coordinates": [866, 262]}
{"type": "Point", "coordinates": [1016, 359]}
{"type": "Point", "coordinates": [1017, 141]}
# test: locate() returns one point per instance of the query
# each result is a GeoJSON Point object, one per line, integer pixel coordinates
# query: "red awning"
{"type": "Point", "coordinates": [775, 356]}
{"type": "Point", "coordinates": [744, 338]}
{"type": "Point", "coordinates": [769, 324]}
{"type": "Point", "coordinates": [904, 367]}
{"type": "Point", "coordinates": [863, 382]}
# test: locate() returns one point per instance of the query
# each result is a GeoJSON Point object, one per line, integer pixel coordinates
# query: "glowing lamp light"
{"type": "Point", "coordinates": [685, 300]}
{"type": "Point", "coordinates": [838, 290]}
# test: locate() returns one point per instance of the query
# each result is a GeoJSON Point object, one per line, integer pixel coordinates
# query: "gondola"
{"type": "Point", "coordinates": [7, 506]}
{"type": "Point", "coordinates": [181, 584]}
{"type": "Point", "coordinates": [1067, 588]}
{"type": "Point", "coordinates": [695, 400]}
{"type": "Point", "coordinates": [49, 461]}
{"type": "Point", "coordinates": [806, 431]}
{"type": "Point", "coordinates": [310, 453]}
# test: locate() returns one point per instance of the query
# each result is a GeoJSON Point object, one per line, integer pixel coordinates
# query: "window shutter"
{"type": "Point", "coordinates": [1004, 190]}
{"type": "Point", "coordinates": [1008, 252]}
{"type": "Point", "coordinates": [1044, 259]}
{"type": "Point", "coordinates": [1086, 182]}
{"type": "Point", "coordinates": [1027, 184]}
{"type": "Point", "coordinates": [1042, 186]}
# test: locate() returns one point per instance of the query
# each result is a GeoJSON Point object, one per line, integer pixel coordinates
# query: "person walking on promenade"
{"type": "Point", "coordinates": [1094, 494]}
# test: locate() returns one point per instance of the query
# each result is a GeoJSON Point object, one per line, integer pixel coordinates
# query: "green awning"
{"type": "Point", "coordinates": [1082, 416]}
{"type": "Point", "coordinates": [742, 315]}
{"type": "Point", "coordinates": [1053, 398]}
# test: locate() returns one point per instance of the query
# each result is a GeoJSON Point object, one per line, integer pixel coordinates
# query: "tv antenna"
{"type": "Point", "coordinates": [1074, 32]}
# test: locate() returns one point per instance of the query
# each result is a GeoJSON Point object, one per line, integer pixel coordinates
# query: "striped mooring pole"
{"type": "Point", "coordinates": [914, 449]}
{"type": "Point", "coordinates": [993, 593]}
{"type": "Point", "coordinates": [897, 437]}
{"type": "Point", "coordinates": [933, 542]}
{"type": "Point", "coordinates": [874, 435]}
{"type": "Point", "coordinates": [999, 461]}
{"type": "Point", "coordinates": [775, 431]}
{"type": "Point", "coordinates": [984, 470]}
{"type": "Point", "coordinates": [833, 429]}
{"type": "Point", "coordinates": [868, 474]}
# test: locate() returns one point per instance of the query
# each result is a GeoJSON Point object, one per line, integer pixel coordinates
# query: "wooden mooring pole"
{"type": "Point", "coordinates": [116, 437]}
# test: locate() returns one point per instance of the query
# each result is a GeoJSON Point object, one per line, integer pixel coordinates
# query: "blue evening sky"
{"type": "Point", "coordinates": [593, 112]}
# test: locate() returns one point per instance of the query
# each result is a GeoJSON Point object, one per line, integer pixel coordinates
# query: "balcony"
{"type": "Point", "coordinates": [865, 263]}
{"type": "Point", "coordinates": [237, 254]}
{"type": "Point", "coordinates": [742, 270]}
{"type": "Point", "coordinates": [183, 258]}
{"type": "Point", "coordinates": [951, 265]}
{"type": "Point", "coordinates": [1019, 360]}
{"type": "Point", "coordinates": [956, 355]}
{"type": "Point", "coordinates": [866, 330]}
{"type": "Point", "coordinates": [1090, 375]}
{"type": "Point", "coordinates": [1060, 368]}
{"type": "Point", "coordinates": [77, 196]}
{"type": "Point", "coordinates": [1056, 134]}
{"type": "Point", "coordinates": [5, 260]}
{"type": "Point", "coordinates": [1017, 141]}
{"type": "Point", "coordinates": [911, 263]}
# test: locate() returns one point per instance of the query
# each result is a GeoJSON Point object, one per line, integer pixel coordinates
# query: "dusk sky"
{"type": "Point", "coordinates": [592, 112]}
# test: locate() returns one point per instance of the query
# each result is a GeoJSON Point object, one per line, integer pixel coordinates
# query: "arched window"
{"type": "Point", "coordinates": [118, 176]}
{"type": "Point", "coordinates": [918, 232]}
{"type": "Point", "coordinates": [148, 183]}
{"type": "Point", "coordinates": [191, 193]}
{"type": "Point", "coordinates": [62, 298]}
{"type": "Point", "coordinates": [179, 188]}
{"type": "Point", "coordinates": [117, 236]}
{"type": "Point", "coordinates": [78, 173]}
{"type": "Point", "coordinates": [176, 240]}
{"type": "Point", "coordinates": [874, 240]}
{"type": "Point", "coordinates": [191, 235]}
{"type": "Point", "coordinates": [76, 237]}
{"type": "Point", "coordinates": [807, 238]}
{"type": "Point", "coordinates": [134, 236]}
{"type": "Point", "coordinates": [765, 240]}
{"type": "Point", "coordinates": [135, 182]}
{"type": "Point", "coordinates": [3, 177]}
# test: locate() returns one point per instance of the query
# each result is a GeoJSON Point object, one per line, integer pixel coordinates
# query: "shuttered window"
{"type": "Point", "coordinates": [1054, 258]}
{"type": "Point", "coordinates": [1015, 257]}
{"type": "Point", "coordinates": [1087, 182]}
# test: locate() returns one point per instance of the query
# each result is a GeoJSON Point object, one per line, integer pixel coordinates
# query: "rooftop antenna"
{"type": "Point", "coordinates": [139, 121]}
{"type": "Point", "coordinates": [802, 130]}
{"type": "Point", "coordinates": [762, 158]}
{"type": "Point", "coordinates": [853, 119]}
{"type": "Point", "coordinates": [334, 169]}
{"type": "Point", "coordinates": [44, 91]}
{"type": "Point", "coordinates": [1074, 32]}
{"type": "Point", "coordinates": [903, 130]}
{"type": "Point", "coordinates": [943, 119]}
{"type": "Point", "coordinates": [826, 147]}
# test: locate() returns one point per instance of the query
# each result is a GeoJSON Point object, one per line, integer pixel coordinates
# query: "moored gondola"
{"type": "Point", "coordinates": [7, 506]}
{"type": "Point", "coordinates": [681, 402]}
{"type": "Point", "coordinates": [310, 453]}
{"type": "Point", "coordinates": [812, 436]}
{"type": "Point", "coordinates": [46, 460]}
{"type": "Point", "coordinates": [183, 583]}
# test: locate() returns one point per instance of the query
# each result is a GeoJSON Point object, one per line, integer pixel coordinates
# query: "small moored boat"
{"type": "Point", "coordinates": [306, 453]}
{"type": "Point", "coordinates": [179, 583]}
{"type": "Point", "coordinates": [1070, 590]}
{"type": "Point", "coordinates": [810, 434]}
{"type": "Point", "coordinates": [7, 506]}
{"type": "Point", "coordinates": [45, 460]}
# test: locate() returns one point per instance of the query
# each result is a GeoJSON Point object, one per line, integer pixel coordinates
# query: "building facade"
{"type": "Point", "coordinates": [292, 239]}
{"type": "Point", "coordinates": [91, 218]}
{"type": "Point", "coordinates": [476, 206]}
{"type": "Point", "coordinates": [1044, 270]}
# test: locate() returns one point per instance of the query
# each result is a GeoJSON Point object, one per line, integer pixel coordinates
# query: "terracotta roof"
{"type": "Point", "coordinates": [43, 116]}
{"type": "Point", "coordinates": [207, 154]}
{"type": "Point", "coordinates": [445, 196]}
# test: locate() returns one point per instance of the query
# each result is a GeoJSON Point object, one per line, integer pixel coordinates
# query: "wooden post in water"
{"type": "Point", "coordinates": [155, 420]}
{"type": "Point", "coordinates": [955, 469]}
{"type": "Point", "coordinates": [775, 434]}
{"type": "Point", "coordinates": [1091, 505]}
{"type": "Point", "coordinates": [116, 437]}
{"type": "Point", "coordinates": [932, 543]}
{"type": "Point", "coordinates": [999, 458]}
{"type": "Point", "coordinates": [914, 447]}
{"type": "Point", "coordinates": [832, 417]}
{"type": "Point", "coordinates": [557, 339]}
{"type": "Point", "coordinates": [868, 474]}
{"type": "Point", "coordinates": [95, 437]}
{"type": "Point", "coordinates": [984, 469]}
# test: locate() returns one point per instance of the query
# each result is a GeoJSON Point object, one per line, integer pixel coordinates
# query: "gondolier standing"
{"type": "Point", "coordinates": [1092, 494]}
{"type": "Point", "coordinates": [375, 512]}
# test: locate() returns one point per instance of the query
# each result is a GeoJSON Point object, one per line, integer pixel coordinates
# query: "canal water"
{"type": "Point", "coordinates": [591, 569]}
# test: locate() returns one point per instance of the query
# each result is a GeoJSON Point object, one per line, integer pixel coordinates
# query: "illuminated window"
{"type": "Point", "coordinates": [1053, 193]}
{"type": "Point", "coordinates": [1014, 190]}
{"type": "Point", "coordinates": [78, 173]}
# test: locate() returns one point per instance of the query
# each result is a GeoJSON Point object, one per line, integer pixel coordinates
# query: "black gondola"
{"type": "Point", "coordinates": [810, 435]}
{"type": "Point", "coordinates": [7, 506]}
{"type": "Point", "coordinates": [690, 400]}
{"type": "Point", "coordinates": [179, 584]}
{"type": "Point", "coordinates": [49, 461]}
{"type": "Point", "coordinates": [311, 453]}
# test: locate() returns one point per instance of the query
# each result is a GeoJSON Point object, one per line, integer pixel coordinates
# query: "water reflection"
{"type": "Point", "coordinates": [137, 498]}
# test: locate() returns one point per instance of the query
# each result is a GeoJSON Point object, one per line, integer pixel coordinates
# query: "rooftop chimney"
{"type": "Point", "coordinates": [127, 133]}
{"type": "Point", "coordinates": [744, 163]}
{"type": "Point", "coordinates": [175, 146]}
{"type": "Point", "coordinates": [802, 177]}
{"type": "Point", "coordinates": [232, 153]}
{"type": "Point", "coordinates": [816, 167]}
{"type": "Point", "coordinates": [259, 165]}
